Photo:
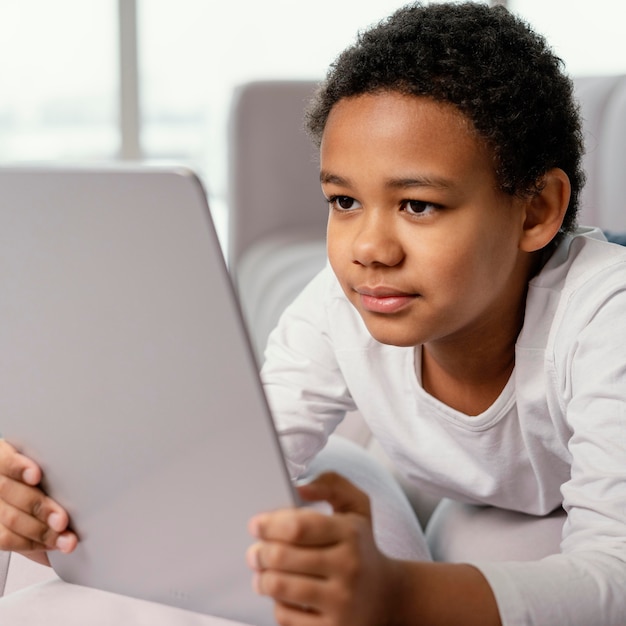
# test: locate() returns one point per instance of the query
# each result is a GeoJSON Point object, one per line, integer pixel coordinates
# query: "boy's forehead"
{"type": "Point", "coordinates": [382, 108]}
{"type": "Point", "coordinates": [403, 128]}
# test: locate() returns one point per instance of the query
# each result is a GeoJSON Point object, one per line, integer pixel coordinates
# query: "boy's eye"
{"type": "Point", "coordinates": [343, 203]}
{"type": "Point", "coordinates": [418, 207]}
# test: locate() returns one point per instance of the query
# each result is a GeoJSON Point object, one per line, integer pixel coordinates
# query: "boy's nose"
{"type": "Point", "coordinates": [376, 243]}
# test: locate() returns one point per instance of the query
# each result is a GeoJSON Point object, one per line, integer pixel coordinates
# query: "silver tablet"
{"type": "Point", "coordinates": [127, 374]}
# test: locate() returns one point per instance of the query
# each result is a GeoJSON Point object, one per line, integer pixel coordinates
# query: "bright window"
{"type": "Point", "coordinates": [587, 34]}
{"type": "Point", "coordinates": [58, 71]}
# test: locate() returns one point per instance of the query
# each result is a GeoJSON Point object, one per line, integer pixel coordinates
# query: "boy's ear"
{"type": "Point", "coordinates": [545, 210]}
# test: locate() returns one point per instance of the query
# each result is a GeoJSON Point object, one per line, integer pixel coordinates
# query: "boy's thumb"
{"type": "Point", "coordinates": [339, 492]}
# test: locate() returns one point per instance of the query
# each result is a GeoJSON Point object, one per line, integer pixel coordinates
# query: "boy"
{"type": "Point", "coordinates": [476, 329]}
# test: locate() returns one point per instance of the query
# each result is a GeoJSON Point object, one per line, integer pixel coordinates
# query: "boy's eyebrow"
{"type": "Point", "coordinates": [333, 179]}
{"type": "Point", "coordinates": [420, 181]}
{"type": "Point", "coordinates": [398, 183]}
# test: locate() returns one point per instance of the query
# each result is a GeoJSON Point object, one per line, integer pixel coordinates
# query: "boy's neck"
{"type": "Point", "coordinates": [469, 375]}
{"type": "Point", "coordinates": [471, 385]}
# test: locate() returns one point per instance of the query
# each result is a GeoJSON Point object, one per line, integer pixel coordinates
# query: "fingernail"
{"type": "Point", "coordinates": [56, 522]}
{"type": "Point", "coordinates": [254, 527]}
{"type": "Point", "coordinates": [256, 584]}
{"type": "Point", "coordinates": [30, 476]}
{"type": "Point", "coordinates": [64, 543]}
{"type": "Point", "coordinates": [252, 557]}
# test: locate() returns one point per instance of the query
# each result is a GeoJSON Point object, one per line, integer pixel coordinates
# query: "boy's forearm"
{"type": "Point", "coordinates": [438, 594]}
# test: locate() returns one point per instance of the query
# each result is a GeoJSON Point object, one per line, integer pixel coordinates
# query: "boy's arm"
{"type": "Point", "coordinates": [301, 376]}
{"type": "Point", "coordinates": [314, 565]}
{"type": "Point", "coordinates": [30, 522]}
{"type": "Point", "coordinates": [445, 593]}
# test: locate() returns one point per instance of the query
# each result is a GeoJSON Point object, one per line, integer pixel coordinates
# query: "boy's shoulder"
{"type": "Point", "coordinates": [583, 274]}
{"type": "Point", "coordinates": [581, 257]}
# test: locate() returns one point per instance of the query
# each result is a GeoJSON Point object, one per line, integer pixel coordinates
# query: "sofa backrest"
{"type": "Point", "coordinates": [603, 109]}
{"type": "Point", "coordinates": [273, 167]}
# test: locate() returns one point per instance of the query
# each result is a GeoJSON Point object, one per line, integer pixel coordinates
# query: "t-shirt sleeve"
{"type": "Point", "coordinates": [302, 379]}
{"type": "Point", "coordinates": [586, 583]}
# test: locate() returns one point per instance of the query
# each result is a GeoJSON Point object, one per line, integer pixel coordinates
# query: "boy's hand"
{"type": "Point", "coordinates": [30, 521]}
{"type": "Point", "coordinates": [323, 569]}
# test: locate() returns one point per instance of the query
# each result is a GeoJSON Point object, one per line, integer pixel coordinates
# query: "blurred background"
{"type": "Point", "coordinates": [101, 80]}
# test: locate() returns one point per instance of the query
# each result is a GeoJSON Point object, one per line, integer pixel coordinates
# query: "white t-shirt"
{"type": "Point", "coordinates": [556, 436]}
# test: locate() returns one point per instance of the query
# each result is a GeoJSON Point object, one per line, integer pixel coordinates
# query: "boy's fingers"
{"type": "Point", "coordinates": [29, 520]}
{"type": "Point", "coordinates": [339, 492]}
{"type": "Point", "coordinates": [16, 543]}
{"type": "Point", "coordinates": [32, 501]}
{"type": "Point", "coordinates": [20, 532]}
{"type": "Point", "coordinates": [302, 527]}
{"type": "Point", "coordinates": [10, 541]}
{"type": "Point", "coordinates": [33, 533]}
{"type": "Point", "coordinates": [295, 593]}
{"type": "Point", "coordinates": [17, 466]}
{"type": "Point", "coordinates": [289, 559]}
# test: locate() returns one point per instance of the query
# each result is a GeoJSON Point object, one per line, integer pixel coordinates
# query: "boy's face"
{"type": "Point", "coordinates": [423, 243]}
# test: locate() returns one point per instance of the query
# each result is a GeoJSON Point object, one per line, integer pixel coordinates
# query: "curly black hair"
{"type": "Point", "coordinates": [489, 64]}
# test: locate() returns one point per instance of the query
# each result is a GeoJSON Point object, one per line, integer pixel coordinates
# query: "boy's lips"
{"type": "Point", "coordinates": [384, 299]}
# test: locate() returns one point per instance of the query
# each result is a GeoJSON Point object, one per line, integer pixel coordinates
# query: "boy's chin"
{"type": "Point", "coordinates": [390, 336]}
